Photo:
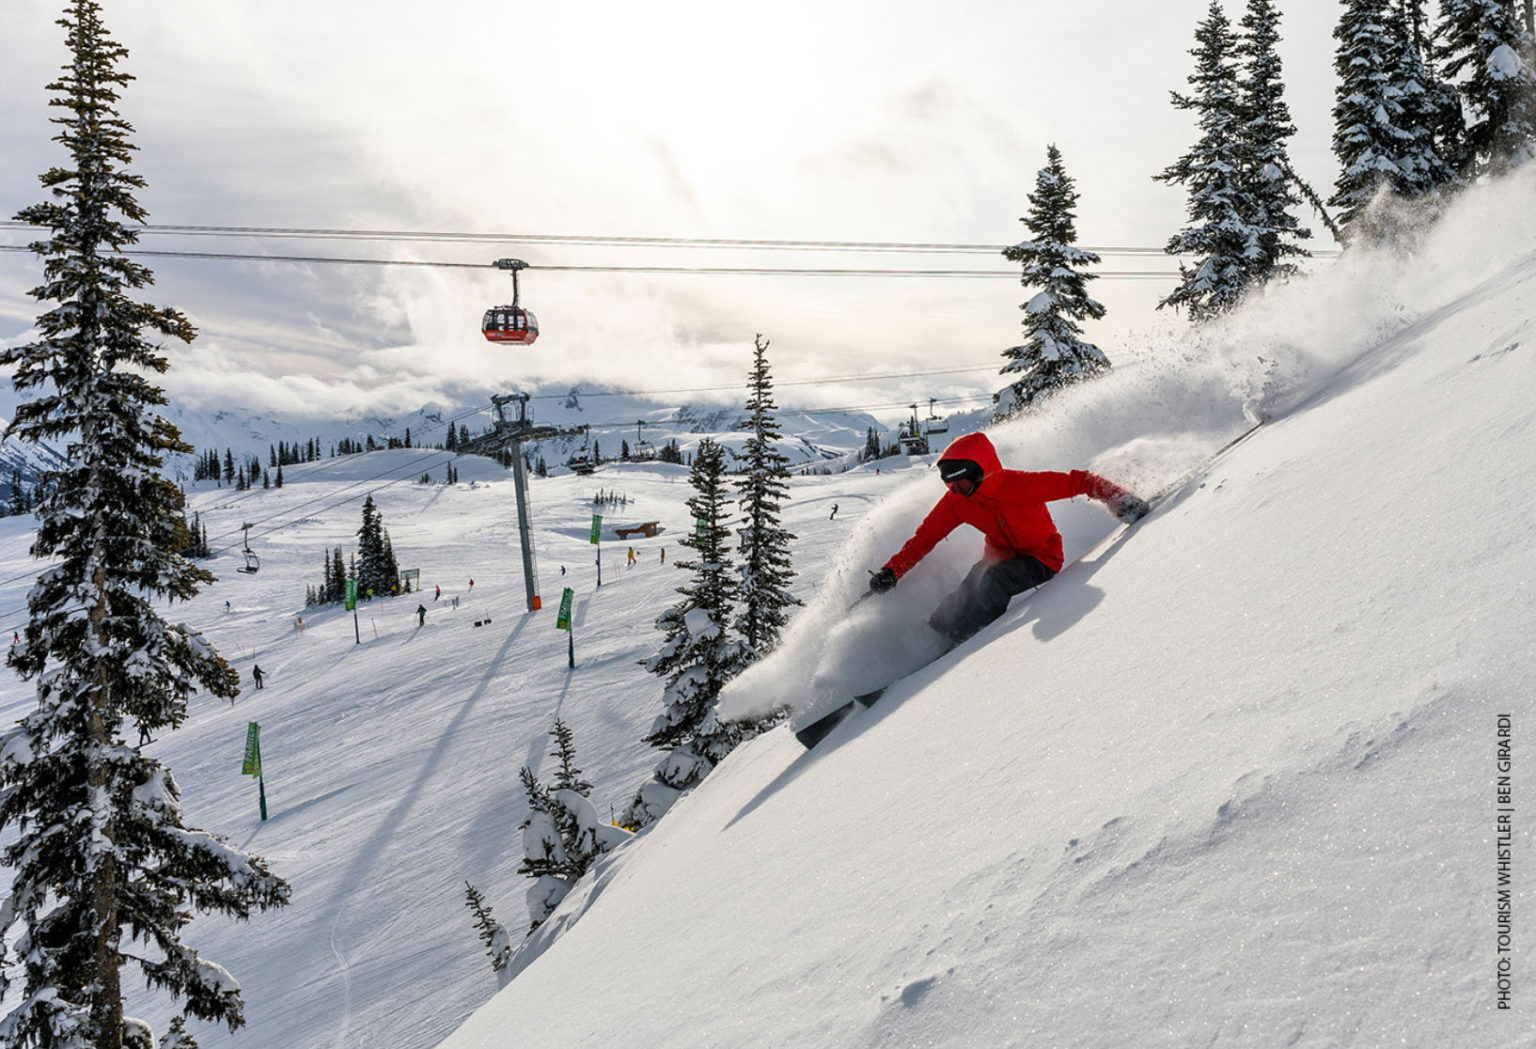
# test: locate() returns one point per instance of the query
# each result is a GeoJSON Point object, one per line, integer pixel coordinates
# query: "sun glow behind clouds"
{"type": "Point", "coordinates": [809, 119]}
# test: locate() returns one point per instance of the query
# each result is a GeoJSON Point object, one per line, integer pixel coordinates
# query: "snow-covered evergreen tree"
{"type": "Point", "coordinates": [1391, 123]}
{"type": "Point", "coordinates": [137, 1034]}
{"type": "Point", "coordinates": [498, 945]}
{"type": "Point", "coordinates": [1053, 354]}
{"type": "Point", "coordinates": [563, 835]}
{"type": "Point", "coordinates": [1488, 50]}
{"type": "Point", "coordinates": [1438, 107]}
{"type": "Point", "coordinates": [104, 873]}
{"type": "Point", "coordinates": [1220, 233]}
{"type": "Point", "coordinates": [697, 656]}
{"type": "Point", "coordinates": [871, 445]}
{"type": "Point", "coordinates": [764, 548]}
{"type": "Point", "coordinates": [1266, 127]}
{"type": "Point", "coordinates": [378, 574]}
{"type": "Point", "coordinates": [176, 1036]}
{"type": "Point", "coordinates": [370, 552]}
{"type": "Point", "coordinates": [569, 777]}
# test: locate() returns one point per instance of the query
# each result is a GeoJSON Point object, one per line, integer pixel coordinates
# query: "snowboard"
{"type": "Point", "coordinates": [815, 731]}
{"type": "Point", "coordinates": [814, 724]}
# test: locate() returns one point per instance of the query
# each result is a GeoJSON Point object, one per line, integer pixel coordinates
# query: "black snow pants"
{"type": "Point", "coordinates": [984, 595]}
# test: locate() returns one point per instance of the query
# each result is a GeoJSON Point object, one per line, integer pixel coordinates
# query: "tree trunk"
{"type": "Point", "coordinates": [107, 995]}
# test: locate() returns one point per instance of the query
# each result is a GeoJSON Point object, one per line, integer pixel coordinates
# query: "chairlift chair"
{"type": "Point", "coordinates": [252, 562]}
{"type": "Point", "coordinates": [935, 423]}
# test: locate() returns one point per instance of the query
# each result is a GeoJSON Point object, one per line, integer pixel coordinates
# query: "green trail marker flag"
{"type": "Point", "coordinates": [252, 764]}
{"type": "Point", "coordinates": [351, 595]}
{"type": "Point", "coordinates": [563, 622]}
{"type": "Point", "coordinates": [597, 534]}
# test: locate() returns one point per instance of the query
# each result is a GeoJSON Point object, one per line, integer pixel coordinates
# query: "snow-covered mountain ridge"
{"type": "Point", "coordinates": [808, 438]}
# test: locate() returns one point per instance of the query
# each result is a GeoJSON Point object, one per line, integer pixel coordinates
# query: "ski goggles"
{"type": "Point", "coordinates": [960, 475]}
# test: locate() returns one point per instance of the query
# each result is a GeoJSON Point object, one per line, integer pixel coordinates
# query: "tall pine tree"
{"type": "Point", "coordinates": [764, 548]}
{"type": "Point", "coordinates": [1053, 355]}
{"type": "Point", "coordinates": [1488, 50]}
{"type": "Point", "coordinates": [697, 656]}
{"type": "Point", "coordinates": [1265, 128]}
{"type": "Point", "coordinates": [1220, 232]}
{"type": "Point", "coordinates": [105, 875]}
{"type": "Point", "coordinates": [378, 573]}
{"type": "Point", "coordinates": [1391, 125]}
{"type": "Point", "coordinates": [1439, 107]}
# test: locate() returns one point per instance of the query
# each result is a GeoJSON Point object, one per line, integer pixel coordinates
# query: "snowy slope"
{"type": "Point", "coordinates": [1231, 783]}
{"type": "Point", "coordinates": [392, 765]}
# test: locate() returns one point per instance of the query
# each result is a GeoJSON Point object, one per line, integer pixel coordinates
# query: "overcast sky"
{"type": "Point", "coordinates": [833, 120]}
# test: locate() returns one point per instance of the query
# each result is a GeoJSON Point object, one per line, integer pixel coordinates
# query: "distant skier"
{"type": "Point", "coordinates": [421, 615]}
{"type": "Point", "coordinates": [144, 736]}
{"type": "Point", "coordinates": [471, 586]}
{"type": "Point", "coordinates": [257, 675]}
{"type": "Point", "coordinates": [663, 555]}
{"type": "Point", "coordinates": [834, 512]}
{"type": "Point", "coordinates": [437, 593]}
{"type": "Point", "coordinates": [1023, 547]}
{"type": "Point", "coordinates": [631, 558]}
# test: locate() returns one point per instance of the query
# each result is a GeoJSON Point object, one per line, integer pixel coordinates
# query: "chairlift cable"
{"type": "Point", "coordinates": [594, 240]}
{"type": "Point", "coordinates": [739, 271]}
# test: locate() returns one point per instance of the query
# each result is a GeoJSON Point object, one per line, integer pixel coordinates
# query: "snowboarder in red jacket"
{"type": "Point", "coordinates": [1023, 547]}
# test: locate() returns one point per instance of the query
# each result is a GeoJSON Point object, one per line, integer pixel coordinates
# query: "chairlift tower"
{"type": "Point", "coordinates": [509, 435]}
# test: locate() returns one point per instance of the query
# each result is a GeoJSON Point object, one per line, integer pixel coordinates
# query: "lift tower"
{"type": "Point", "coordinates": [509, 435]}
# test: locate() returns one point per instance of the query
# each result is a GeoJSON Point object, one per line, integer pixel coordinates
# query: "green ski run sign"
{"type": "Point", "coordinates": [252, 764]}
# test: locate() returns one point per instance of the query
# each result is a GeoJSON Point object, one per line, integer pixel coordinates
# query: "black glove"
{"type": "Point", "coordinates": [1129, 508]}
{"type": "Point", "coordinates": [882, 581]}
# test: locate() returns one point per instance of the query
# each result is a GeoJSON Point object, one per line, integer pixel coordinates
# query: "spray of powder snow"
{"type": "Point", "coordinates": [1183, 394]}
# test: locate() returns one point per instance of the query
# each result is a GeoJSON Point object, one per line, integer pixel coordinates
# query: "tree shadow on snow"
{"type": "Point", "coordinates": [376, 848]}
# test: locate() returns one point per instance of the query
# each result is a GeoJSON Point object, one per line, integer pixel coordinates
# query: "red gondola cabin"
{"type": "Point", "coordinates": [510, 324]}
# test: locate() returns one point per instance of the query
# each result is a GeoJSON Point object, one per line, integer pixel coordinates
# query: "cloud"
{"type": "Point", "coordinates": [832, 120]}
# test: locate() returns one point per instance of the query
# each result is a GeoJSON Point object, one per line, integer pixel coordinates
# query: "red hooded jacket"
{"type": "Point", "coordinates": [1008, 507]}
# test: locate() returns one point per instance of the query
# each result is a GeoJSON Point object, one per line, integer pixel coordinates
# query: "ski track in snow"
{"type": "Point", "coordinates": [344, 972]}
